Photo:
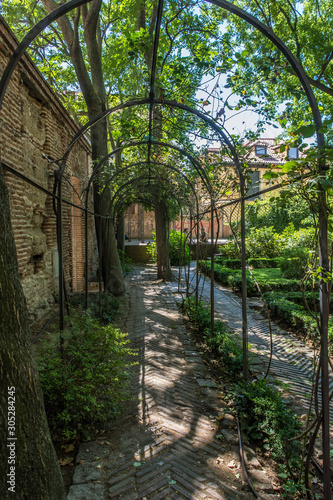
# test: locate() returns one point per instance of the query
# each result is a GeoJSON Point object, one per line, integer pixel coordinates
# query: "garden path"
{"type": "Point", "coordinates": [178, 439]}
{"type": "Point", "coordinates": [292, 361]}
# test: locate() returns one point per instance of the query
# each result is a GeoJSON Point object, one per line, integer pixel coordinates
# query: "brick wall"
{"type": "Point", "coordinates": [33, 123]}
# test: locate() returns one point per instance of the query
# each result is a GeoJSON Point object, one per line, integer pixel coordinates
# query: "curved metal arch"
{"type": "Point", "coordinates": [197, 165]}
{"type": "Point", "coordinates": [281, 46]}
{"type": "Point", "coordinates": [30, 36]}
{"type": "Point", "coordinates": [175, 169]}
{"type": "Point", "coordinates": [162, 102]}
{"type": "Point", "coordinates": [131, 181]}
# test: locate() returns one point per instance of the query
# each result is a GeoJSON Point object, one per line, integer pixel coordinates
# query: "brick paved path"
{"type": "Point", "coordinates": [292, 361]}
{"type": "Point", "coordinates": [167, 446]}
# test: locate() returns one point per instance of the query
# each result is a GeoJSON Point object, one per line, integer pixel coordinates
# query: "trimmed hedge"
{"type": "Point", "coordinates": [255, 263]}
{"type": "Point", "coordinates": [232, 278]}
{"type": "Point", "coordinates": [296, 316]}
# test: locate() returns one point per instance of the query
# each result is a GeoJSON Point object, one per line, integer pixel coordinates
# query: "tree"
{"type": "Point", "coordinates": [112, 56]}
{"type": "Point", "coordinates": [29, 464]}
{"type": "Point", "coordinates": [257, 71]}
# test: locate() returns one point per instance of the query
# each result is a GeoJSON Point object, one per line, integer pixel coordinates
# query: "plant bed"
{"type": "Point", "coordinates": [295, 316]}
{"type": "Point", "coordinates": [269, 279]}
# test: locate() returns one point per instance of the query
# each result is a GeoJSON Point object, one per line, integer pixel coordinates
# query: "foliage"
{"type": "Point", "coordinates": [85, 380]}
{"type": "Point", "coordinates": [221, 342]}
{"type": "Point", "coordinates": [198, 314]}
{"type": "Point", "coordinates": [106, 312]}
{"type": "Point", "coordinates": [125, 262]}
{"type": "Point", "coordinates": [229, 250]}
{"type": "Point", "coordinates": [284, 308]}
{"type": "Point", "coordinates": [304, 237]}
{"type": "Point", "coordinates": [254, 263]}
{"type": "Point", "coordinates": [176, 239]}
{"type": "Point", "coordinates": [263, 242]}
{"type": "Point", "coordinates": [268, 279]}
{"type": "Point", "coordinates": [265, 417]}
{"type": "Point", "coordinates": [225, 345]}
{"type": "Point", "coordinates": [277, 212]}
{"type": "Point", "coordinates": [294, 262]}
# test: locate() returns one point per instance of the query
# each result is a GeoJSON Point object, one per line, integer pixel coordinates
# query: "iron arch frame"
{"type": "Point", "coordinates": [324, 263]}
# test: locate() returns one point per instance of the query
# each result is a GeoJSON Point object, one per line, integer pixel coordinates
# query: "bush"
{"type": "Point", "coordinates": [125, 262]}
{"type": "Point", "coordinates": [198, 315]}
{"type": "Point", "coordinates": [263, 242]}
{"type": "Point", "coordinates": [265, 417]}
{"type": "Point", "coordinates": [84, 382]}
{"type": "Point", "coordinates": [255, 263]}
{"type": "Point", "coordinates": [294, 262]}
{"type": "Point", "coordinates": [108, 311]}
{"type": "Point", "coordinates": [224, 344]}
{"type": "Point", "coordinates": [268, 279]}
{"type": "Point", "coordinates": [229, 250]}
{"type": "Point", "coordinates": [175, 239]}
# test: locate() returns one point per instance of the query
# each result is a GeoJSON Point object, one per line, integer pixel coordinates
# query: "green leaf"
{"type": "Point", "coordinates": [306, 130]}
{"type": "Point", "coordinates": [289, 165]}
{"type": "Point", "coordinates": [326, 184]}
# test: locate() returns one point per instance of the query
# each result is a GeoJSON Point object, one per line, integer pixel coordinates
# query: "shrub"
{"type": "Point", "coordinates": [85, 381]}
{"type": "Point", "coordinates": [175, 239]}
{"type": "Point", "coordinates": [198, 314]}
{"type": "Point", "coordinates": [108, 311]}
{"type": "Point", "coordinates": [224, 344]}
{"type": "Point", "coordinates": [263, 242]}
{"type": "Point", "coordinates": [294, 262]}
{"type": "Point", "coordinates": [229, 250]}
{"type": "Point", "coordinates": [266, 418]}
{"type": "Point", "coordinates": [125, 262]}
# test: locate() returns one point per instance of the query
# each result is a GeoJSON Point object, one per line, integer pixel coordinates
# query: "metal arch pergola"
{"type": "Point", "coordinates": [323, 249]}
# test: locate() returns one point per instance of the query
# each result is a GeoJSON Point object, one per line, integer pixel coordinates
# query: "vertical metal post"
{"type": "Point", "coordinates": [244, 314]}
{"type": "Point", "coordinates": [324, 314]}
{"type": "Point", "coordinates": [86, 266]}
{"type": "Point", "coordinates": [189, 264]}
{"type": "Point", "coordinates": [197, 257]}
{"type": "Point", "coordinates": [212, 297]}
{"type": "Point", "coordinates": [181, 249]}
{"type": "Point", "coordinates": [59, 176]}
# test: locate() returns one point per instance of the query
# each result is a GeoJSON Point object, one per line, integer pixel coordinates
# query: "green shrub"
{"type": "Point", "coordinates": [108, 311]}
{"type": "Point", "coordinates": [294, 262]}
{"type": "Point", "coordinates": [263, 242]}
{"type": "Point", "coordinates": [198, 314]}
{"type": "Point", "coordinates": [303, 238]}
{"type": "Point", "coordinates": [225, 345]}
{"type": "Point", "coordinates": [85, 381]}
{"type": "Point", "coordinates": [125, 262]}
{"type": "Point", "coordinates": [229, 250]}
{"type": "Point", "coordinates": [268, 279]}
{"type": "Point", "coordinates": [175, 239]}
{"type": "Point", "coordinates": [265, 417]}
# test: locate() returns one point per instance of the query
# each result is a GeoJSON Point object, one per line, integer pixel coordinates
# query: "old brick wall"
{"type": "Point", "coordinates": [33, 123]}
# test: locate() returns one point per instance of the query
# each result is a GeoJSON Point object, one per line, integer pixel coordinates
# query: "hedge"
{"type": "Point", "coordinates": [255, 263]}
{"type": "Point", "coordinates": [232, 278]}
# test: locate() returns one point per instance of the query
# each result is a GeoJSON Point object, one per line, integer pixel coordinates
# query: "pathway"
{"type": "Point", "coordinates": [178, 440]}
{"type": "Point", "coordinates": [292, 361]}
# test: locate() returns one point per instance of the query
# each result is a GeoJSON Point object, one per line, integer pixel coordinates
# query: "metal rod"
{"type": "Point", "coordinates": [244, 312]}
{"type": "Point", "coordinates": [30, 36]}
{"type": "Point", "coordinates": [59, 176]}
{"type": "Point", "coordinates": [86, 265]}
{"type": "Point", "coordinates": [212, 284]}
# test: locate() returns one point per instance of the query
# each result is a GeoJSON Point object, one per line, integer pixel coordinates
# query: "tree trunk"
{"type": "Point", "coordinates": [162, 245]}
{"type": "Point", "coordinates": [93, 90]}
{"type": "Point", "coordinates": [29, 465]}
